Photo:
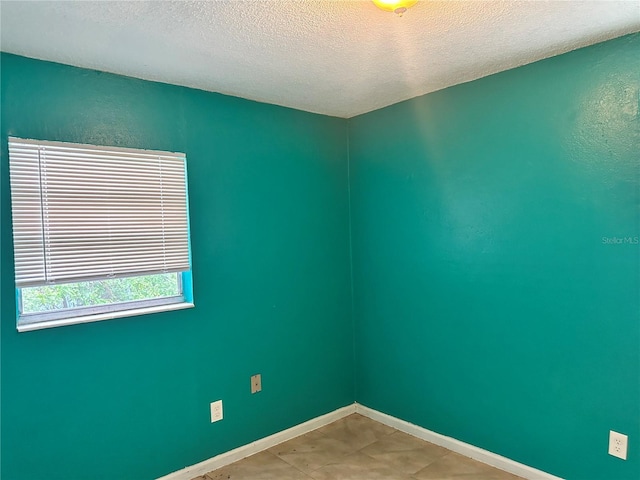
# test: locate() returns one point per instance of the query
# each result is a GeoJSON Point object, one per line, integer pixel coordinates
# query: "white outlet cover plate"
{"type": "Point", "coordinates": [618, 444]}
{"type": "Point", "coordinates": [216, 411]}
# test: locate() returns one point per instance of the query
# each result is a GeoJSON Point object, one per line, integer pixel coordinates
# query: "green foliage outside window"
{"type": "Point", "coordinates": [100, 292]}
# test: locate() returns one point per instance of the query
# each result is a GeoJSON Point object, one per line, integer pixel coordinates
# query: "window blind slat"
{"type": "Point", "coordinates": [83, 212]}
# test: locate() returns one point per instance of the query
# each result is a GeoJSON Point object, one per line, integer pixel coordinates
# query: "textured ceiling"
{"type": "Point", "coordinates": [339, 58]}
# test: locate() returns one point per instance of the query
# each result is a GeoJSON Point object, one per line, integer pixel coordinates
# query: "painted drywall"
{"type": "Point", "coordinates": [495, 272]}
{"type": "Point", "coordinates": [496, 262]}
{"type": "Point", "coordinates": [129, 398]}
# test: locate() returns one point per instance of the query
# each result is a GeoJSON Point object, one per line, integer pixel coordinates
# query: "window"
{"type": "Point", "coordinates": [99, 232]}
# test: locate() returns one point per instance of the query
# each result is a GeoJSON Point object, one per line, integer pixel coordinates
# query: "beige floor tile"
{"type": "Point", "coordinates": [358, 466]}
{"type": "Point", "coordinates": [357, 448]}
{"type": "Point", "coordinates": [312, 451]}
{"type": "Point", "coordinates": [404, 452]}
{"type": "Point", "coordinates": [455, 466]}
{"type": "Point", "coordinates": [261, 466]}
{"type": "Point", "coordinates": [356, 431]}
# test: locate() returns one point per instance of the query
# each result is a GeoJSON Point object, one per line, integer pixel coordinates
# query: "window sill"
{"type": "Point", "coordinates": [103, 316]}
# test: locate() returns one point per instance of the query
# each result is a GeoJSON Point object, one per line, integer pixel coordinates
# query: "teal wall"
{"type": "Point", "coordinates": [487, 306]}
{"type": "Point", "coordinates": [129, 398]}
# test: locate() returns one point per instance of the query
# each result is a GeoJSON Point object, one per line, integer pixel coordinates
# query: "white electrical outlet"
{"type": "Point", "coordinates": [216, 411]}
{"type": "Point", "coordinates": [256, 383]}
{"type": "Point", "coordinates": [618, 444]}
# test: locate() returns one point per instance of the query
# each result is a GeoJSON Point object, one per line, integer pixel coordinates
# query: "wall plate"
{"type": "Point", "coordinates": [256, 383]}
{"type": "Point", "coordinates": [216, 411]}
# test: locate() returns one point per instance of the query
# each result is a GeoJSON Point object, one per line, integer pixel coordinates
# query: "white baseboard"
{"type": "Point", "coordinates": [452, 444]}
{"type": "Point", "coordinates": [457, 446]}
{"type": "Point", "coordinates": [239, 453]}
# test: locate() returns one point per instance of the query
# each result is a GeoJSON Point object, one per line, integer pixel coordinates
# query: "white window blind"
{"type": "Point", "coordinates": [82, 212]}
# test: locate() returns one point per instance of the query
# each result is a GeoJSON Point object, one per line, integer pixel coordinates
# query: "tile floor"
{"type": "Point", "coordinates": [357, 448]}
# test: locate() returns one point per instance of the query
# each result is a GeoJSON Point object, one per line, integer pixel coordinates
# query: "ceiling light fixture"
{"type": "Point", "coordinates": [396, 6]}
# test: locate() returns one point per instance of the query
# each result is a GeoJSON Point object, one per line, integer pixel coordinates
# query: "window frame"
{"type": "Point", "coordinates": [85, 314]}
{"type": "Point", "coordinates": [62, 313]}
{"type": "Point", "coordinates": [41, 320]}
